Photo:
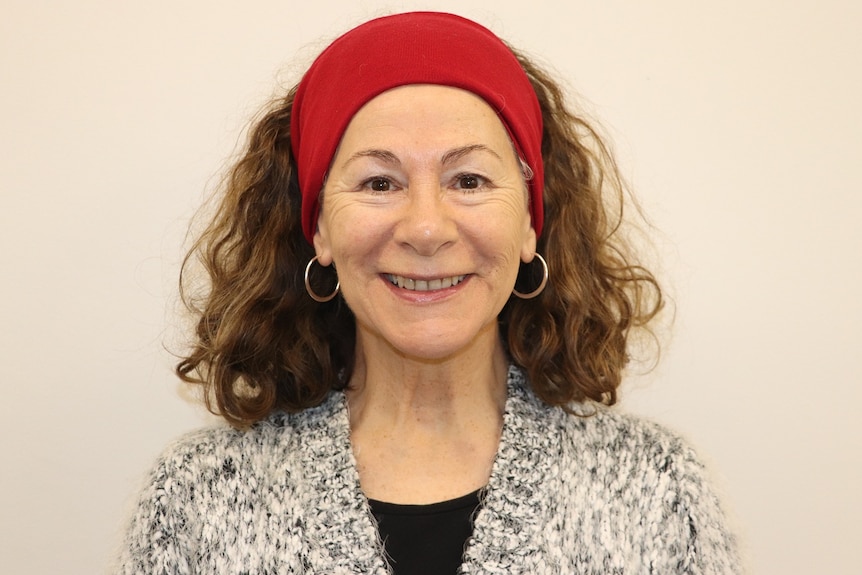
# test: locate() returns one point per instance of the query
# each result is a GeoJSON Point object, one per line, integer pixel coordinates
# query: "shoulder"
{"type": "Point", "coordinates": [213, 484]}
{"type": "Point", "coordinates": [629, 456]}
{"type": "Point", "coordinates": [209, 445]}
{"type": "Point", "coordinates": [218, 452]}
{"type": "Point", "coordinates": [626, 490]}
{"type": "Point", "coordinates": [274, 429]}
{"type": "Point", "coordinates": [598, 435]}
{"type": "Point", "coordinates": [222, 496]}
{"type": "Point", "coordinates": [594, 430]}
{"type": "Point", "coordinates": [607, 432]}
{"type": "Point", "coordinates": [635, 472]}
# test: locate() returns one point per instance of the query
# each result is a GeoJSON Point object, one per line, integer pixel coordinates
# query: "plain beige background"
{"type": "Point", "coordinates": [738, 123]}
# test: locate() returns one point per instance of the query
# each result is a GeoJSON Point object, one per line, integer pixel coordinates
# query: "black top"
{"type": "Point", "coordinates": [426, 539]}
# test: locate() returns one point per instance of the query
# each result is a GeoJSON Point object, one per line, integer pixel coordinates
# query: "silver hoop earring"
{"type": "Point", "coordinates": [310, 291]}
{"type": "Point", "coordinates": [541, 288]}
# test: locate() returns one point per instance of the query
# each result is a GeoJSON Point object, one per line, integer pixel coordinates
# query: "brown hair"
{"type": "Point", "coordinates": [263, 344]}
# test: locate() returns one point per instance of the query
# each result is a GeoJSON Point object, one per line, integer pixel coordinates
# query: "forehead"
{"type": "Point", "coordinates": [430, 112]}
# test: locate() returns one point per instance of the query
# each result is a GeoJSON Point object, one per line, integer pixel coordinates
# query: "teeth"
{"type": "Point", "coordinates": [424, 285]}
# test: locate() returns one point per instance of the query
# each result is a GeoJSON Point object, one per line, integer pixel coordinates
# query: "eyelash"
{"type": "Point", "coordinates": [481, 181]}
{"type": "Point", "coordinates": [368, 184]}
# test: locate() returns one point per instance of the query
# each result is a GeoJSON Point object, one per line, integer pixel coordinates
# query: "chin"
{"type": "Point", "coordinates": [440, 345]}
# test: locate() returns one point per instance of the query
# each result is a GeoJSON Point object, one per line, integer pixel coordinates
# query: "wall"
{"type": "Point", "coordinates": [738, 123]}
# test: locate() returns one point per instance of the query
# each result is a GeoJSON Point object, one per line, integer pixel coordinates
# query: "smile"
{"type": "Point", "coordinates": [424, 285]}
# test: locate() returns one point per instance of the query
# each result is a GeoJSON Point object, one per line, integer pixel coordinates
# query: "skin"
{"type": "Point", "coordinates": [425, 187]}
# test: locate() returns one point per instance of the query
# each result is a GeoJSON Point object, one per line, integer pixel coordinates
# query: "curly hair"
{"type": "Point", "coordinates": [262, 344]}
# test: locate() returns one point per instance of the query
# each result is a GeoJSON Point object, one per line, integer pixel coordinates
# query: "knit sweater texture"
{"type": "Point", "coordinates": [604, 494]}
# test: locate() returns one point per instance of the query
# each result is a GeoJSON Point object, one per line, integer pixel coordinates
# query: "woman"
{"type": "Point", "coordinates": [401, 400]}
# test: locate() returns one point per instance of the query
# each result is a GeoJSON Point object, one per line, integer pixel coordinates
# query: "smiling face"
{"type": "Point", "coordinates": [424, 214]}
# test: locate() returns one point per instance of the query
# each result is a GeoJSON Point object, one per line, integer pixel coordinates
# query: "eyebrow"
{"type": "Point", "coordinates": [451, 156]}
{"type": "Point", "coordinates": [383, 155]}
{"type": "Point", "coordinates": [458, 153]}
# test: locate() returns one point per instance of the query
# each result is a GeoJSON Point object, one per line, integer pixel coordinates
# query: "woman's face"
{"type": "Point", "coordinates": [424, 215]}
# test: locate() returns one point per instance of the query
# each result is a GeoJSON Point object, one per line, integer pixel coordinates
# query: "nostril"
{"type": "Point", "coordinates": [426, 225]}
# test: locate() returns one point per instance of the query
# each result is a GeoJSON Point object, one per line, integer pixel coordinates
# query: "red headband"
{"type": "Point", "coordinates": [410, 48]}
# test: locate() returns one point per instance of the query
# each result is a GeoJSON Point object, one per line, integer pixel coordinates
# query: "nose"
{"type": "Point", "coordinates": [426, 224]}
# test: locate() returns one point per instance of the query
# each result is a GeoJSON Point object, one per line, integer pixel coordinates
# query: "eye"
{"type": "Point", "coordinates": [469, 182]}
{"type": "Point", "coordinates": [377, 184]}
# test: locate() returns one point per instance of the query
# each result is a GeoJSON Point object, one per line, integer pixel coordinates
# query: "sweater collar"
{"type": "Point", "coordinates": [338, 520]}
{"type": "Point", "coordinates": [506, 531]}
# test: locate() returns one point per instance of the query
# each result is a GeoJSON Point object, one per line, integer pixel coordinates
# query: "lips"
{"type": "Point", "coordinates": [424, 285]}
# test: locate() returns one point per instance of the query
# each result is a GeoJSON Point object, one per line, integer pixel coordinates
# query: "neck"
{"type": "Point", "coordinates": [426, 430]}
{"type": "Point", "coordinates": [389, 386]}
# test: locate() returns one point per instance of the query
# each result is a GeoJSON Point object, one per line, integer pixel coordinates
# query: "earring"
{"type": "Point", "coordinates": [538, 290]}
{"type": "Point", "coordinates": [310, 291]}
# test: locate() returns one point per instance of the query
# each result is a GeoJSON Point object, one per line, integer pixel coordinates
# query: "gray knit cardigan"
{"type": "Point", "coordinates": [567, 494]}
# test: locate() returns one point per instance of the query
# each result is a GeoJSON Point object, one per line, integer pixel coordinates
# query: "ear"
{"type": "Point", "coordinates": [528, 248]}
{"type": "Point", "coordinates": [322, 245]}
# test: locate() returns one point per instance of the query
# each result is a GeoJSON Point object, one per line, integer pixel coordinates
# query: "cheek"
{"type": "Point", "coordinates": [500, 253]}
{"type": "Point", "coordinates": [508, 223]}
{"type": "Point", "coordinates": [342, 224]}
{"type": "Point", "coordinates": [356, 238]}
